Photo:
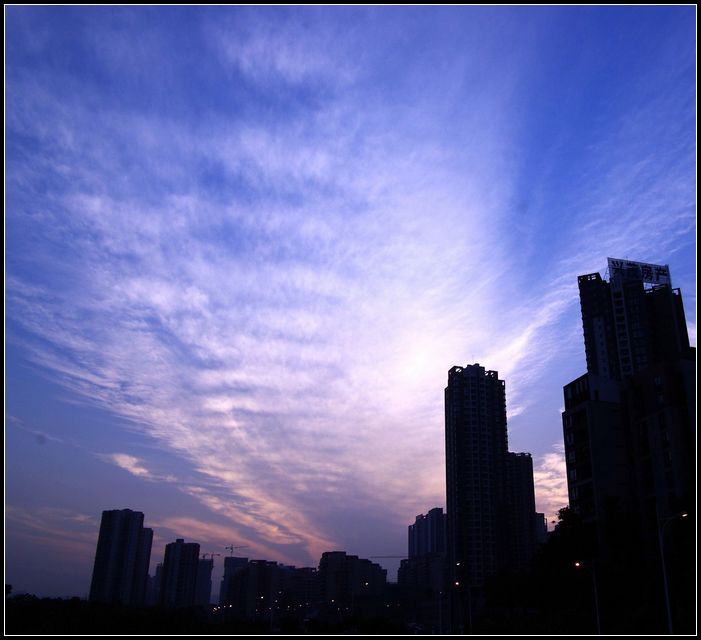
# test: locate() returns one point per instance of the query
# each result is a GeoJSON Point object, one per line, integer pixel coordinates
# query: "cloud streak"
{"type": "Point", "coordinates": [135, 466]}
{"type": "Point", "coordinates": [550, 478]}
{"type": "Point", "coordinates": [275, 297]}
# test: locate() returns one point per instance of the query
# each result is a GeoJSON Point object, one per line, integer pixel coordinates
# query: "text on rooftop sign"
{"type": "Point", "coordinates": [655, 273]}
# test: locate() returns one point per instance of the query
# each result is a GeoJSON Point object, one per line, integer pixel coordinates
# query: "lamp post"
{"type": "Point", "coordinates": [461, 583]}
{"type": "Point", "coordinates": [661, 525]}
{"type": "Point", "coordinates": [579, 565]}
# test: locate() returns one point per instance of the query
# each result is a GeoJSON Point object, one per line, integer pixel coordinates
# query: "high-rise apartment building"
{"type": "Point", "coordinates": [629, 428]}
{"type": "Point", "coordinates": [632, 320]}
{"type": "Point", "coordinates": [519, 496]}
{"type": "Point", "coordinates": [256, 588]}
{"type": "Point", "coordinates": [232, 565]}
{"type": "Point", "coordinates": [180, 570]}
{"type": "Point", "coordinates": [476, 447]}
{"type": "Point", "coordinates": [423, 571]}
{"type": "Point", "coordinates": [490, 498]}
{"type": "Point", "coordinates": [203, 586]}
{"type": "Point", "coordinates": [629, 421]}
{"type": "Point", "coordinates": [596, 451]}
{"type": "Point", "coordinates": [427, 534]}
{"type": "Point", "coordinates": [122, 558]}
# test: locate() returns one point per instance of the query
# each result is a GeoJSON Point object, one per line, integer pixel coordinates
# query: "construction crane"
{"type": "Point", "coordinates": [231, 548]}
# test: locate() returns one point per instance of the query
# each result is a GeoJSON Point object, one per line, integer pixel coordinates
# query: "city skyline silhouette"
{"type": "Point", "coordinates": [246, 245]}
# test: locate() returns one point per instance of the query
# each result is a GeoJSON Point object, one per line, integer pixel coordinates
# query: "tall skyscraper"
{"type": "Point", "coordinates": [122, 559]}
{"type": "Point", "coordinates": [634, 407]}
{"type": "Point", "coordinates": [632, 320]}
{"type": "Point", "coordinates": [490, 499]}
{"type": "Point", "coordinates": [629, 427]}
{"type": "Point", "coordinates": [180, 569]}
{"type": "Point", "coordinates": [476, 447]}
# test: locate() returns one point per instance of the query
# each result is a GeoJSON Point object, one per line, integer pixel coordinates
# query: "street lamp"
{"type": "Point", "coordinates": [580, 565]}
{"type": "Point", "coordinates": [661, 525]}
{"type": "Point", "coordinates": [463, 596]}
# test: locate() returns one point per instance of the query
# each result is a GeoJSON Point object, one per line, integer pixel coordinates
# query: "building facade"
{"type": "Point", "coordinates": [476, 447]}
{"type": "Point", "coordinates": [261, 589]}
{"type": "Point", "coordinates": [520, 511]}
{"type": "Point", "coordinates": [632, 320]}
{"type": "Point", "coordinates": [120, 571]}
{"type": "Point", "coordinates": [634, 407]}
{"type": "Point", "coordinates": [232, 565]}
{"type": "Point", "coordinates": [344, 578]}
{"type": "Point", "coordinates": [203, 586]}
{"type": "Point", "coordinates": [423, 571]}
{"type": "Point", "coordinates": [427, 534]}
{"type": "Point", "coordinates": [629, 428]}
{"type": "Point", "coordinates": [179, 574]}
{"type": "Point", "coordinates": [490, 497]}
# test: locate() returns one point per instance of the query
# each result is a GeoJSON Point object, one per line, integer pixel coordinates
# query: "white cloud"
{"type": "Point", "coordinates": [550, 477]}
{"type": "Point", "coordinates": [296, 49]}
{"type": "Point", "coordinates": [135, 466]}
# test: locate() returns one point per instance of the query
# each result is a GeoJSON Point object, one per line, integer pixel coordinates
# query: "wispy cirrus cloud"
{"type": "Point", "coordinates": [233, 353]}
{"type": "Point", "coordinates": [295, 47]}
{"type": "Point", "coordinates": [64, 530]}
{"type": "Point", "coordinates": [274, 289]}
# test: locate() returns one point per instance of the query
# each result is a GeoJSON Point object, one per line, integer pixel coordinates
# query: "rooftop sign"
{"type": "Point", "coordinates": [655, 273]}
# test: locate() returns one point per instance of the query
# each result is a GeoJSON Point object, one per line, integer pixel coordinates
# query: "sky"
{"type": "Point", "coordinates": [244, 245]}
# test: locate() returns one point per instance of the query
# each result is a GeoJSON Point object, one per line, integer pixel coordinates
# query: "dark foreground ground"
{"type": "Point", "coordinates": [29, 615]}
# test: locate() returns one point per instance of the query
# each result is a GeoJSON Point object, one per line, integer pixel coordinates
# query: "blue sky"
{"type": "Point", "coordinates": [245, 245]}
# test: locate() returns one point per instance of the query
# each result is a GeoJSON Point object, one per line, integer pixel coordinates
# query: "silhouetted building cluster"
{"type": "Point", "coordinates": [258, 588]}
{"type": "Point", "coordinates": [120, 573]}
{"type": "Point", "coordinates": [629, 429]}
{"type": "Point", "coordinates": [629, 434]}
{"type": "Point", "coordinates": [344, 577]}
{"type": "Point", "coordinates": [250, 589]}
